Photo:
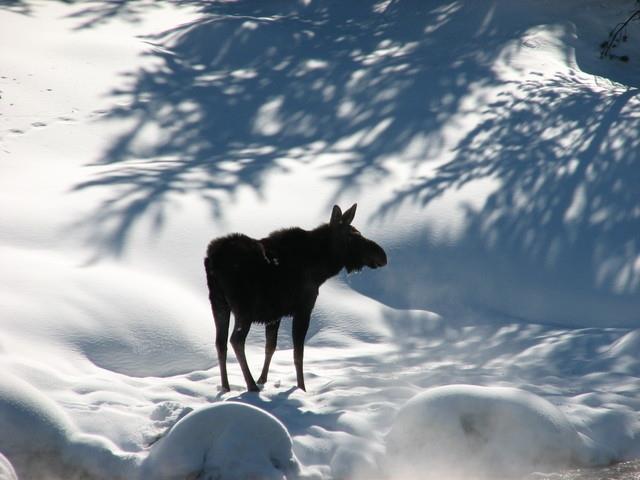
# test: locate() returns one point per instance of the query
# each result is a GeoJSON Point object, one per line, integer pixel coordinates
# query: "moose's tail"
{"type": "Point", "coordinates": [217, 296]}
{"type": "Point", "coordinates": [209, 273]}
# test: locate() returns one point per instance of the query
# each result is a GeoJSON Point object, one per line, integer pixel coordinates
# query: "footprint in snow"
{"type": "Point", "coordinates": [164, 416]}
{"type": "Point", "coordinates": [531, 42]}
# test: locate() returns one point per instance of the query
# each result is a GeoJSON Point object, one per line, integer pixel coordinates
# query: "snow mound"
{"type": "Point", "coordinates": [487, 432]}
{"type": "Point", "coordinates": [226, 441]}
{"type": "Point", "coordinates": [41, 441]}
{"type": "Point", "coordinates": [29, 420]}
{"type": "Point", "coordinates": [6, 470]}
{"type": "Point", "coordinates": [627, 345]}
{"type": "Point", "coordinates": [136, 327]}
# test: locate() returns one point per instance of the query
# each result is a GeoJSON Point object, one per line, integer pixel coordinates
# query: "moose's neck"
{"type": "Point", "coordinates": [326, 261]}
{"type": "Point", "coordinates": [310, 253]}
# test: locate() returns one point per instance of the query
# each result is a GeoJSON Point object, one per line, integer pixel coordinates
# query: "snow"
{"type": "Point", "coordinates": [227, 440]}
{"type": "Point", "coordinates": [6, 470]}
{"type": "Point", "coordinates": [491, 152]}
{"type": "Point", "coordinates": [38, 432]}
{"type": "Point", "coordinates": [459, 431]}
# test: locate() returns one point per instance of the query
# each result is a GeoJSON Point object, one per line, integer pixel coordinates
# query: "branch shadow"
{"type": "Point", "coordinates": [249, 87]}
{"type": "Point", "coordinates": [565, 155]}
{"type": "Point", "coordinates": [290, 409]}
{"type": "Point", "coordinates": [248, 84]}
{"type": "Point", "coordinates": [16, 6]}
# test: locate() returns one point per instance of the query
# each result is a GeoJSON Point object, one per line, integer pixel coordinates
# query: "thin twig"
{"type": "Point", "coordinates": [616, 32]}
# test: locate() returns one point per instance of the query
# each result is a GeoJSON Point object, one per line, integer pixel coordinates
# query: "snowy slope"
{"type": "Point", "coordinates": [490, 150]}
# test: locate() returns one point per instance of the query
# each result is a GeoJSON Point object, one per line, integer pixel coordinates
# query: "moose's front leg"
{"type": "Point", "coordinates": [299, 332]}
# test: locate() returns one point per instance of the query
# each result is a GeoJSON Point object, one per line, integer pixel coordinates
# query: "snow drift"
{"type": "Point", "coordinates": [118, 326]}
{"type": "Point", "coordinates": [464, 431]}
{"type": "Point", "coordinates": [6, 469]}
{"type": "Point", "coordinates": [43, 442]}
{"type": "Point", "coordinates": [226, 441]}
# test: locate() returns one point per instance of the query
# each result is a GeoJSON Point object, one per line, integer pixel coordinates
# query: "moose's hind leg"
{"type": "Point", "coordinates": [221, 314]}
{"type": "Point", "coordinates": [299, 329]}
{"type": "Point", "coordinates": [271, 334]}
{"type": "Point", "coordinates": [238, 337]}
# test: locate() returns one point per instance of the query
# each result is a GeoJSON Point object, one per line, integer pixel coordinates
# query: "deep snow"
{"type": "Point", "coordinates": [490, 150]}
{"type": "Point", "coordinates": [6, 470]}
{"type": "Point", "coordinates": [235, 440]}
{"type": "Point", "coordinates": [464, 431]}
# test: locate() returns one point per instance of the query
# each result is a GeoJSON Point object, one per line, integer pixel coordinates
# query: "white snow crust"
{"type": "Point", "coordinates": [6, 469]}
{"type": "Point", "coordinates": [492, 153]}
{"type": "Point", "coordinates": [463, 431]}
{"type": "Point", "coordinates": [227, 441]}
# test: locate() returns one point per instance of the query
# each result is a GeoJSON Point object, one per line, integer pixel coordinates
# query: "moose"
{"type": "Point", "coordinates": [262, 281]}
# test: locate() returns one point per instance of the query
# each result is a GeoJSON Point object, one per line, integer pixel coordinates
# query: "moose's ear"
{"type": "Point", "coordinates": [347, 218]}
{"type": "Point", "coordinates": [336, 216]}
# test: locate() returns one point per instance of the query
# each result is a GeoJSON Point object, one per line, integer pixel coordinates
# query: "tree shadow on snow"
{"type": "Point", "coordinates": [289, 410]}
{"type": "Point", "coordinates": [231, 94]}
{"type": "Point", "coordinates": [565, 155]}
{"type": "Point", "coordinates": [92, 14]}
{"type": "Point", "coordinates": [250, 87]}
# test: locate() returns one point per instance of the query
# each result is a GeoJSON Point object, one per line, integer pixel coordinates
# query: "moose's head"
{"type": "Point", "coordinates": [356, 250]}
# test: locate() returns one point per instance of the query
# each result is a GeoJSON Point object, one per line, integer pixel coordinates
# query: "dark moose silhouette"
{"type": "Point", "coordinates": [261, 281]}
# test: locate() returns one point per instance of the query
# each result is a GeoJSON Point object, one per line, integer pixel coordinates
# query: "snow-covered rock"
{"type": "Point", "coordinates": [42, 440]}
{"type": "Point", "coordinates": [458, 430]}
{"type": "Point", "coordinates": [225, 441]}
{"type": "Point", "coordinates": [28, 418]}
{"type": "Point", "coordinates": [6, 470]}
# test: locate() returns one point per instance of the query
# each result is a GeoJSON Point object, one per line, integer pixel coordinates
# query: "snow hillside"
{"type": "Point", "coordinates": [491, 152]}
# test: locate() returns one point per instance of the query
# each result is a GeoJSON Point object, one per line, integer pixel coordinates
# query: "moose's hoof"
{"type": "Point", "coordinates": [253, 388]}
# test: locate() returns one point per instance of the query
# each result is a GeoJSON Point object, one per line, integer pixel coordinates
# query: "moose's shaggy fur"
{"type": "Point", "coordinates": [261, 281]}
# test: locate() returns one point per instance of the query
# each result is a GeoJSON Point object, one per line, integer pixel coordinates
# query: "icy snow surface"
{"type": "Point", "coordinates": [491, 152]}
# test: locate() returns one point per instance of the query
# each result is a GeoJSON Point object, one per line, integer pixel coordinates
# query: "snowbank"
{"type": "Point", "coordinates": [42, 442]}
{"type": "Point", "coordinates": [134, 326]}
{"type": "Point", "coordinates": [226, 441]}
{"type": "Point", "coordinates": [461, 430]}
{"type": "Point", "coordinates": [6, 470]}
{"type": "Point", "coordinates": [29, 420]}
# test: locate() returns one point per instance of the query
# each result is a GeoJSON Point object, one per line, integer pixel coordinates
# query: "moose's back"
{"type": "Point", "coordinates": [256, 280]}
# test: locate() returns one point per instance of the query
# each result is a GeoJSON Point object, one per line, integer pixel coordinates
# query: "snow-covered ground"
{"type": "Point", "coordinates": [491, 152]}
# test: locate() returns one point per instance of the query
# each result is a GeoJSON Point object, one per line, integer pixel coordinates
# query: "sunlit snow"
{"type": "Point", "coordinates": [491, 152]}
